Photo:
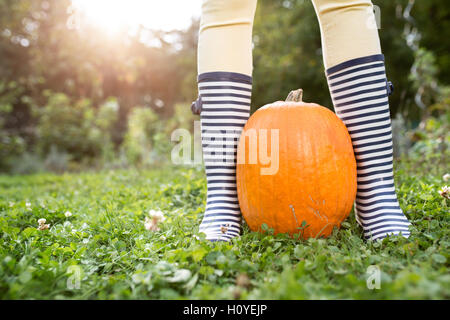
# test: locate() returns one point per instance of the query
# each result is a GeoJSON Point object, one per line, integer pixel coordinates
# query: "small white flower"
{"type": "Point", "coordinates": [11, 204]}
{"type": "Point", "coordinates": [446, 177]}
{"type": "Point", "coordinates": [27, 204]}
{"type": "Point", "coordinates": [151, 222]}
{"type": "Point", "coordinates": [68, 214]}
{"type": "Point", "coordinates": [158, 215]}
{"type": "Point", "coordinates": [43, 226]}
{"type": "Point", "coordinates": [445, 192]}
{"type": "Point", "coordinates": [162, 238]}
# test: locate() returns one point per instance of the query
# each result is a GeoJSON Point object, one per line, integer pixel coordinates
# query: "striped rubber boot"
{"type": "Point", "coordinates": [224, 99]}
{"type": "Point", "coordinates": [359, 90]}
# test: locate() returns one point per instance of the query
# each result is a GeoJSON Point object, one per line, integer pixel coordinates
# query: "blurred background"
{"type": "Point", "coordinates": [100, 84]}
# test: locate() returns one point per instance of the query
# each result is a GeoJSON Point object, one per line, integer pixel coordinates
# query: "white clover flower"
{"type": "Point", "coordinates": [42, 225]}
{"type": "Point", "coordinates": [68, 214]}
{"type": "Point", "coordinates": [27, 204]}
{"type": "Point", "coordinates": [150, 225]}
{"type": "Point", "coordinates": [446, 177]}
{"type": "Point", "coordinates": [445, 192]}
{"type": "Point", "coordinates": [151, 222]}
{"type": "Point", "coordinates": [157, 215]}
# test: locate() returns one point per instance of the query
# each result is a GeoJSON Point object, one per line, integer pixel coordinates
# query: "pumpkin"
{"type": "Point", "coordinates": [313, 187]}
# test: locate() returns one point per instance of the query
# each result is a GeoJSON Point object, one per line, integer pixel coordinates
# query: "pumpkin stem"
{"type": "Point", "coordinates": [295, 95]}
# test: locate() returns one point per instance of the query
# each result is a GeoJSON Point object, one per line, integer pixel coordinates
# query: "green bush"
{"type": "Point", "coordinates": [10, 146]}
{"type": "Point", "coordinates": [105, 129]}
{"type": "Point", "coordinates": [143, 124]}
{"type": "Point", "coordinates": [432, 137]}
{"type": "Point", "coordinates": [11, 143]}
{"type": "Point", "coordinates": [75, 131]}
{"type": "Point", "coordinates": [148, 138]}
{"type": "Point", "coordinates": [67, 126]}
{"type": "Point", "coordinates": [72, 135]}
{"type": "Point", "coordinates": [432, 141]}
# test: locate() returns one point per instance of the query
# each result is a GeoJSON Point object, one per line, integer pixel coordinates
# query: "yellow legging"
{"type": "Point", "coordinates": [347, 27]}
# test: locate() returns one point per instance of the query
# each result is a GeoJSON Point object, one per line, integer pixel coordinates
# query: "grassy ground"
{"type": "Point", "coordinates": [115, 257]}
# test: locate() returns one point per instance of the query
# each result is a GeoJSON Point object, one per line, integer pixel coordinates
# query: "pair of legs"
{"type": "Point", "coordinates": [358, 86]}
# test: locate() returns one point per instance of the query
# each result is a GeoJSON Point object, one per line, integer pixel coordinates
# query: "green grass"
{"type": "Point", "coordinates": [119, 259]}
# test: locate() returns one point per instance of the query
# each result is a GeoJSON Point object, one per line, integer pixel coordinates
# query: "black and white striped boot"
{"type": "Point", "coordinates": [359, 90]}
{"type": "Point", "coordinates": [224, 102]}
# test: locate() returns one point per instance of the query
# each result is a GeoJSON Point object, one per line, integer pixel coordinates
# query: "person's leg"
{"type": "Point", "coordinates": [224, 84]}
{"type": "Point", "coordinates": [359, 89]}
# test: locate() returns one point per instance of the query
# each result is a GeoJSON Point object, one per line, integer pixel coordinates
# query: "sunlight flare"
{"type": "Point", "coordinates": [114, 15]}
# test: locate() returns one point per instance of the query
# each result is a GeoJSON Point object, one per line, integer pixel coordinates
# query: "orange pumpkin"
{"type": "Point", "coordinates": [315, 178]}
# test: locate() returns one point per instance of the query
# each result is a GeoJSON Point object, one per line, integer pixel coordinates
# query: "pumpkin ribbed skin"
{"type": "Point", "coordinates": [316, 178]}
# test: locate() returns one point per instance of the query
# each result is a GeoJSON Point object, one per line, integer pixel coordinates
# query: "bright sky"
{"type": "Point", "coordinates": [154, 14]}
